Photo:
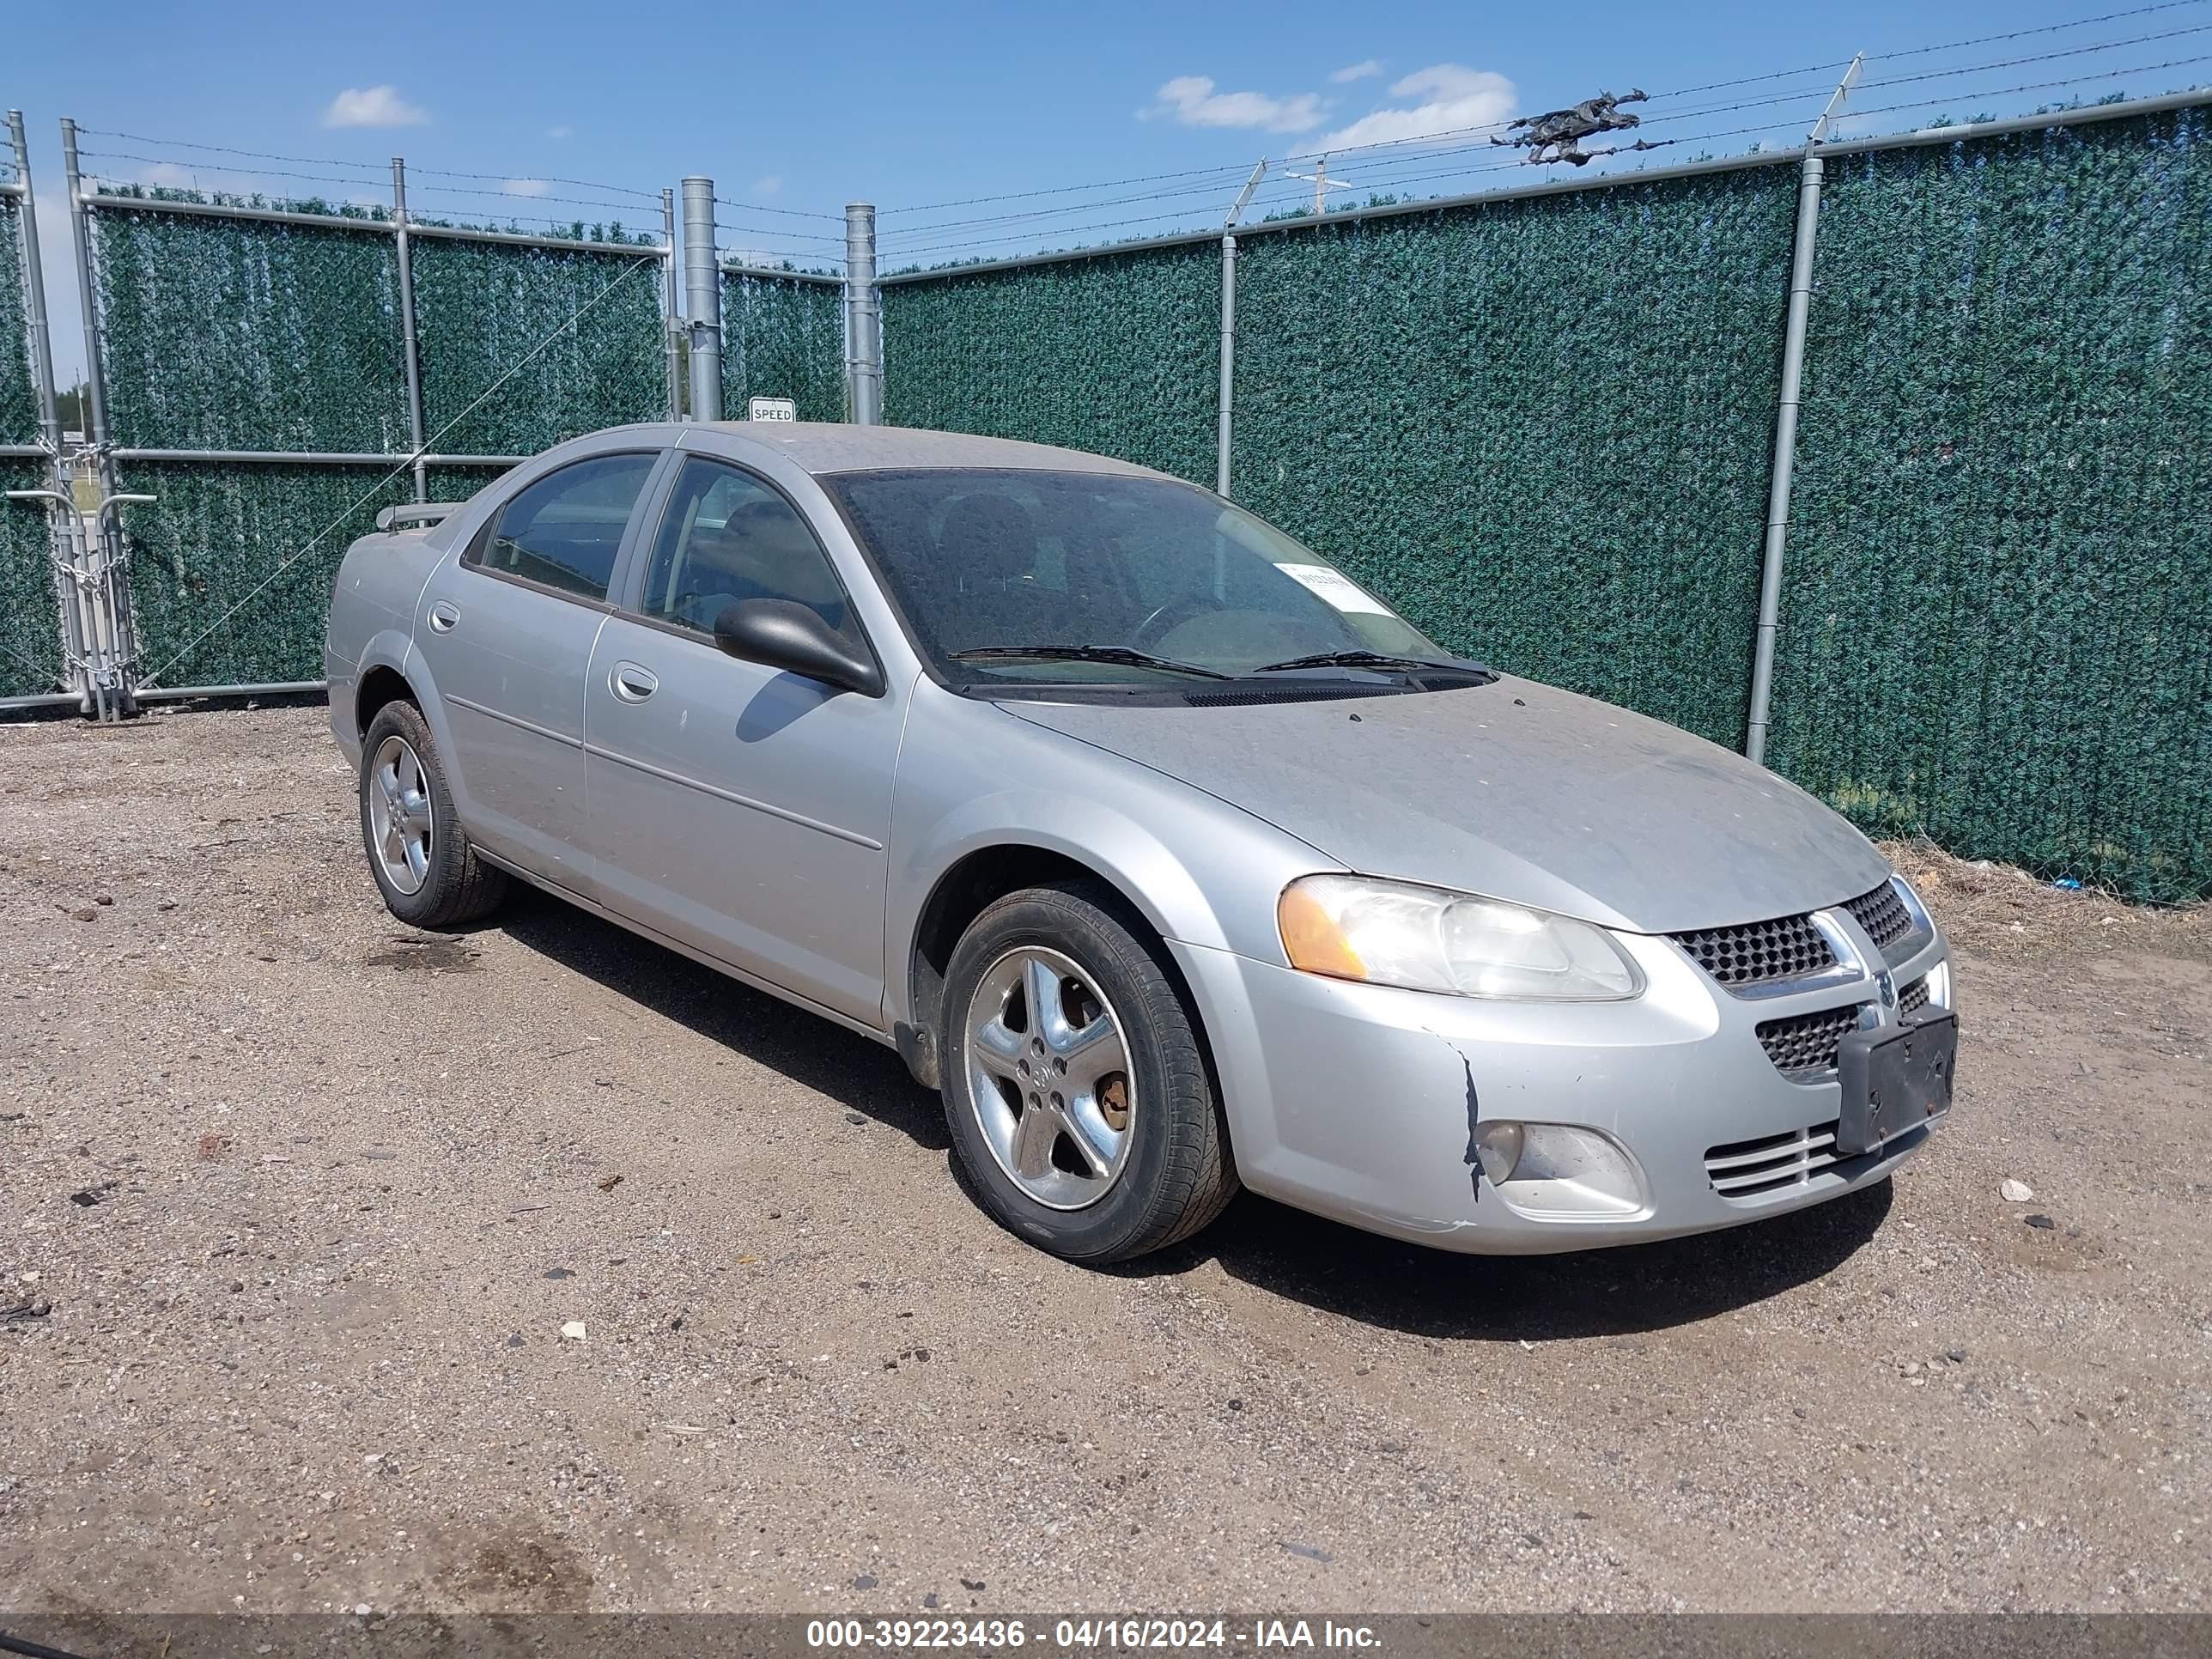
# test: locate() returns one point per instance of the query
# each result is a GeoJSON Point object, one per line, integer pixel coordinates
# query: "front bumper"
{"type": "Point", "coordinates": [1358, 1101]}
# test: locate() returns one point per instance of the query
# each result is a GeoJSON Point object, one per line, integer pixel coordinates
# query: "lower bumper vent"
{"type": "Point", "coordinates": [1745, 1168]}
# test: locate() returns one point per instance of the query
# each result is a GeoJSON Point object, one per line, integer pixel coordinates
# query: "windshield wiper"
{"type": "Point", "coordinates": [1357, 658]}
{"type": "Point", "coordinates": [1113, 654]}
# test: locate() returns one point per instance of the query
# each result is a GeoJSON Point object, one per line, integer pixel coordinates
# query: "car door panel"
{"type": "Point", "coordinates": [508, 650]}
{"type": "Point", "coordinates": [739, 809]}
{"type": "Point", "coordinates": [743, 810]}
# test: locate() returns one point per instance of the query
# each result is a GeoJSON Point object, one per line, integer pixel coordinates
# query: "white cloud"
{"type": "Point", "coordinates": [168, 174]}
{"type": "Point", "coordinates": [374, 107]}
{"type": "Point", "coordinates": [1192, 100]}
{"type": "Point", "coordinates": [767, 186]}
{"type": "Point", "coordinates": [525, 186]}
{"type": "Point", "coordinates": [559, 132]}
{"type": "Point", "coordinates": [1361, 71]}
{"type": "Point", "coordinates": [1451, 98]}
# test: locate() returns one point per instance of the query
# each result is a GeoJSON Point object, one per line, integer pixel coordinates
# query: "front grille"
{"type": "Point", "coordinates": [1789, 947]}
{"type": "Point", "coordinates": [1882, 913]}
{"type": "Point", "coordinates": [1804, 1046]}
{"type": "Point", "coordinates": [1913, 998]}
{"type": "Point", "coordinates": [1744, 1168]}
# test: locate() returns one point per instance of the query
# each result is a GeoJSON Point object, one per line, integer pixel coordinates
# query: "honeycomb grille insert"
{"type": "Point", "coordinates": [1913, 998]}
{"type": "Point", "coordinates": [1804, 1046]}
{"type": "Point", "coordinates": [1789, 947]}
{"type": "Point", "coordinates": [1882, 913]}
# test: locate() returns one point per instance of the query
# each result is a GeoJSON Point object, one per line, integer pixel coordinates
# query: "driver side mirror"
{"type": "Point", "coordinates": [779, 633]}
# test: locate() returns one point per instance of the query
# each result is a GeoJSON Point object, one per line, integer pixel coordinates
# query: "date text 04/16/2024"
{"type": "Point", "coordinates": [1077, 1635]}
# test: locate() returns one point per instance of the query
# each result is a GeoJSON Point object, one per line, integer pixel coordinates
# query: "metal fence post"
{"type": "Point", "coordinates": [864, 338]}
{"type": "Point", "coordinates": [702, 298]}
{"type": "Point", "coordinates": [671, 328]}
{"type": "Point", "coordinates": [1786, 421]}
{"type": "Point", "coordinates": [1227, 424]}
{"type": "Point", "coordinates": [109, 664]}
{"type": "Point", "coordinates": [407, 324]}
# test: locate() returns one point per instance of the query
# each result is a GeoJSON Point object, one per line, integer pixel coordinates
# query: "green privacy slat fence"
{"type": "Point", "coordinates": [1998, 621]}
{"type": "Point", "coordinates": [19, 405]}
{"type": "Point", "coordinates": [1543, 427]}
{"type": "Point", "coordinates": [783, 339]}
{"type": "Point", "coordinates": [224, 333]}
{"type": "Point", "coordinates": [219, 530]}
{"type": "Point", "coordinates": [481, 308]}
{"type": "Point", "coordinates": [246, 334]}
{"type": "Point", "coordinates": [30, 642]}
{"type": "Point", "coordinates": [1113, 352]}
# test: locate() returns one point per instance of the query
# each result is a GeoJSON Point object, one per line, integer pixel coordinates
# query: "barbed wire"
{"type": "Point", "coordinates": [1372, 181]}
{"type": "Point", "coordinates": [381, 170]}
{"type": "Point", "coordinates": [1440, 138]}
{"type": "Point", "coordinates": [787, 213]}
{"type": "Point", "coordinates": [2043, 29]}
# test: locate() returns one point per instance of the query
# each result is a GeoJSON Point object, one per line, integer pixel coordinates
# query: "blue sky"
{"type": "Point", "coordinates": [801, 108]}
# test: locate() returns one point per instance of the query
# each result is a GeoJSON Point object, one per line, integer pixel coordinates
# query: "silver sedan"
{"type": "Point", "coordinates": [1171, 855]}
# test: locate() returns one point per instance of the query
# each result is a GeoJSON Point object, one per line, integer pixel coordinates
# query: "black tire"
{"type": "Point", "coordinates": [1178, 1174]}
{"type": "Point", "coordinates": [458, 886]}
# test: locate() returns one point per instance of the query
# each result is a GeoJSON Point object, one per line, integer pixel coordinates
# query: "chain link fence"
{"type": "Point", "coordinates": [1997, 626]}
{"type": "Point", "coordinates": [783, 337]}
{"type": "Point", "coordinates": [1113, 352]}
{"type": "Point", "coordinates": [224, 333]}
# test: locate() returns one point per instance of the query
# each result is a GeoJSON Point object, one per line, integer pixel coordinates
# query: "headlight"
{"type": "Point", "coordinates": [1426, 939]}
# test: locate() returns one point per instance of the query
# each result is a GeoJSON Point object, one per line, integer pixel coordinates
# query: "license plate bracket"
{"type": "Point", "coordinates": [1894, 1078]}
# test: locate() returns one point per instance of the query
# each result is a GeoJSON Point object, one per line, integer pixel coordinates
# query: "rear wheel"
{"type": "Point", "coordinates": [1075, 1088]}
{"type": "Point", "coordinates": [429, 875]}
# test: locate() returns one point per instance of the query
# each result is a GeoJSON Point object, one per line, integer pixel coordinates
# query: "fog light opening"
{"type": "Point", "coordinates": [1561, 1170]}
{"type": "Point", "coordinates": [1498, 1144]}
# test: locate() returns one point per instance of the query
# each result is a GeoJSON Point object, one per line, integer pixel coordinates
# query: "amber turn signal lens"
{"type": "Point", "coordinates": [1311, 939]}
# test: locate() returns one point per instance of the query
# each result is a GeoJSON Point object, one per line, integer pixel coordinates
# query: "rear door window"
{"type": "Point", "coordinates": [564, 531]}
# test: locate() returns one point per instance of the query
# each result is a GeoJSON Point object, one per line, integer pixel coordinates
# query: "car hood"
{"type": "Point", "coordinates": [1514, 790]}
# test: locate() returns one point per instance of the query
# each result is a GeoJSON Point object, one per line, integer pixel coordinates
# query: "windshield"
{"type": "Point", "coordinates": [1110, 580]}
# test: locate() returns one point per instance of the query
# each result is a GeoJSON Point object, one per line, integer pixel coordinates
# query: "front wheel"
{"type": "Point", "coordinates": [1075, 1087]}
{"type": "Point", "coordinates": [429, 875]}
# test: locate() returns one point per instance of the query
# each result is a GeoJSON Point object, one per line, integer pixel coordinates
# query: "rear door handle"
{"type": "Point", "coordinates": [632, 683]}
{"type": "Point", "coordinates": [443, 615]}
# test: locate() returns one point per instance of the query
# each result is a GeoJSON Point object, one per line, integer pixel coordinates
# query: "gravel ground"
{"type": "Point", "coordinates": [296, 1203]}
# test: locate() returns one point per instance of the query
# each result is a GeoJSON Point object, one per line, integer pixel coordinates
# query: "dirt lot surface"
{"type": "Point", "coordinates": [296, 1202]}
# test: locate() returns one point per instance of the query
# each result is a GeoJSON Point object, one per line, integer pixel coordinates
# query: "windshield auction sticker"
{"type": "Point", "coordinates": [1337, 588]}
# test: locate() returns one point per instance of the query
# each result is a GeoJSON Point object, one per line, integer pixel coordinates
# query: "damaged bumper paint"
{"type": "Point", "coordinates": [1365, 1102]}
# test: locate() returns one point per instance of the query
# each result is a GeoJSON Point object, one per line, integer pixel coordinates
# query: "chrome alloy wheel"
{"type": "Point", "coordinates": [1048, 1077]}
{"type": "Point", "coordinates": [399, 816]}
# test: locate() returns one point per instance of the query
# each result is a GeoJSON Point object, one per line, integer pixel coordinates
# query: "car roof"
{"type": "Point", "coordinates": [823, 446]}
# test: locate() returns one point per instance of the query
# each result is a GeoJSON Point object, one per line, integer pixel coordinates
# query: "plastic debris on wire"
{"type": "Point", "coordinates": [1557, 134]}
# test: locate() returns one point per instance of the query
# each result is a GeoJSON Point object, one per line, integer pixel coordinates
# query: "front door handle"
{"type": "Point", "coordinates": [444, 613]}
{"type": "Point", "coordinates": [632, 683]}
